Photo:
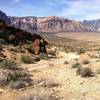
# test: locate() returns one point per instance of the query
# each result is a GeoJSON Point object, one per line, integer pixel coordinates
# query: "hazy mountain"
{"type": "Point", "coordinates": [93, 24]}
{"type": "Point", "coordinates": [50, 24]}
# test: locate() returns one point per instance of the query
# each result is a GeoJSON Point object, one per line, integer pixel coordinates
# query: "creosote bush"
{"type": "Point", "coordinates": [43, 56]}
{"type": "Point", "coordinates": [76, 65]}
{"type": "Point", "coordinates": [84, 72]}
{"type": "Point", "coordinates": [8, 64]}
{"type": "Point", "coordinates": [27, 59]}
{"type": "Point", "coordinates": [81, 51]}
{"type": "Point", "coordinates": [86, 62]}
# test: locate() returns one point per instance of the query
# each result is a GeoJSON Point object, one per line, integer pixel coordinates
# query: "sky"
{"type": "Point", "coordinates": [72, 9]}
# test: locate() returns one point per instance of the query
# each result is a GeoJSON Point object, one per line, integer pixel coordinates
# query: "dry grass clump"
{"type": "Point", "coordinates": [27, 59]}
{"type": "Point", "coordinates": [8, 64]}
{"type": "Point", "coordinates": [98, 71]}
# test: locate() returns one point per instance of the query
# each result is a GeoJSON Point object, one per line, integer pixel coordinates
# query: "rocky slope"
{"type": "Point", "coordinates": [4, 17]}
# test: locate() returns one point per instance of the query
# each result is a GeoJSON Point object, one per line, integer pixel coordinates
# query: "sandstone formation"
{"type": "Point", "coordinates": [48, 24]}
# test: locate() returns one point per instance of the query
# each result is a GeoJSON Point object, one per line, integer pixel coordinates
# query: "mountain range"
{"type": "Point", "coordinates": [50, 24]}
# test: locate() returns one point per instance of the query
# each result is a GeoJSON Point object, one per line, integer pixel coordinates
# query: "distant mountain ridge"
{"type": "Point", "coordinates": [93, 24]}
{"type": "Point", "coordinates": [50, 24]}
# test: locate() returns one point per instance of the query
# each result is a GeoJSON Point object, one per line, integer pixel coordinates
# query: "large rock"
{"type": "Point", "coordinates": [39, 44]}
{"type": "Point", "coordinates": [4, 74]}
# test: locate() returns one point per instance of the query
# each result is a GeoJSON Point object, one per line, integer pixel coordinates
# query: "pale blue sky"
{"type": "Point", "coordinates": [72, 9]}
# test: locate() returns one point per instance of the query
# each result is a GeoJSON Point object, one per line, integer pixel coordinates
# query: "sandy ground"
{"type": "Point", "coordinates": [88, 36]}
{"type": "Point", "coordinates": [54, 71]}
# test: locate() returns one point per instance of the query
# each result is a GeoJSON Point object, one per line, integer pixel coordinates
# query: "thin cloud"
{"type": "Point", "coordinates": [86, 9]}
{"type": "Point", "coordinates": [16, 1]}
{"type": "Point", "coordinates": [72, 9]}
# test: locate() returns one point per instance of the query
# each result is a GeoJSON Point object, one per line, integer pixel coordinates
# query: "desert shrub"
{"type": "Point", "coordinates": [75, 65]}
{"type": "Point", "coordinates": [29, 42]}
{"type": "Point", "coordinates": [17, 84]}
{"type": "Point", "coordinates": [1, 60]}
{"type": "Point", "coordinates": [8, 64]}
{"type": "Point", "coordinates": [3, 42]}
{"type": "Point", "coordinates": [17, 49]}
{"type": "Point", "coordinates": [84, 72]}
{"type": "Point", "coordinates": [37, 96]}
{"type": "Point", "coordinates": [52, 53]}
{"type": "Point", "coordinates": [43, 56]}
{"type": "Point", "coordinates": [36, 58]}
{"type": "Point", "coordinates": [81, 51]}
{"type": "Point", "coordinates": [27, 59]}
{"type": "Point", "coordinates": [66, 62]}
{"type": "Point", "coordinates": [98, 71]}
{"type": "Point", "coordinates": [13, 76]}
{"type": "Point", "coordinates": [86, 62]}
{"type": "Point", "coordinates": [30, 48]}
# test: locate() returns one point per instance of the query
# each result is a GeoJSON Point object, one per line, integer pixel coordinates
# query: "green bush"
{"type": "Point", "coordinates": [27, 59]}
{"type": "Point", "coordinates": [8, 64]}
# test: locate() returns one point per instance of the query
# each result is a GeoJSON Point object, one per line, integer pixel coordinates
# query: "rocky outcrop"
{"type": "Point", "coordinates": [25, 23]}
{"type": "Point", "coordinates": [48, 24]}
{"type": "Point", "coordinates": [58, 24]}
{"type": "Point", "coordinates": [4, 17]}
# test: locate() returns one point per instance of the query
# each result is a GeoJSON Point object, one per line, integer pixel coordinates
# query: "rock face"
{"type": "Point", "coordinates": [4, 17]}
{"type": "Point", "coordinates": [48, 24]}
{"type": "Point", "coordinates": [25, 23]}
{"type": "Point", "coordinates": [94, 24]}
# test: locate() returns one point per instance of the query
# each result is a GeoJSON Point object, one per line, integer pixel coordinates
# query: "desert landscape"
{"type": "Point", "coordinates": [68, 73]}
{"type": "Point", "coordinates": [50, 57]}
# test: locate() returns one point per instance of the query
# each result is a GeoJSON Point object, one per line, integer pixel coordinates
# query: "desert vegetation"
{"type": "Point", "coordinates": [69, 68]}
